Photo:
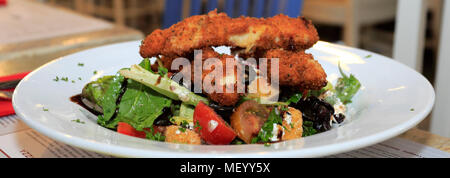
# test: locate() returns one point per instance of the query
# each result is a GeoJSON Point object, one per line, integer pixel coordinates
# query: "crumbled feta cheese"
{"type": "Point", "coordinates": [212, 124]}
{"type": "Point", "coordinates": [339, 107]}
{"type": "Point", "coordinates": [274, 133]}
{"type": "Point", "coordinates": [288, 118]}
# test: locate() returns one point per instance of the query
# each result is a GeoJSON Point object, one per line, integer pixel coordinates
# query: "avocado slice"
{"type": "Point", "coordinates": [163, 85]}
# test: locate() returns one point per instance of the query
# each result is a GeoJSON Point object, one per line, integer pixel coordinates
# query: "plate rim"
{"type": "Point", "coordinates": [123, 151]}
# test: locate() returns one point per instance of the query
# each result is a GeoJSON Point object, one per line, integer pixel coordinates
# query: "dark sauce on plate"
{"type": "Point", "coordinates": [78, 100]}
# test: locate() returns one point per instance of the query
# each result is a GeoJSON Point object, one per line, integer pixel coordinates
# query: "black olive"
{"type": "Point", "coordinates": [164, 118]}
{"type": "Point", "coordinates": [223, 111]}
{"type": "Point", "coordinates": [322, 126]}
{"type": "Point", "coordinates": [317, 111]}
{"type": "Point", "coordinates": [339, 118]}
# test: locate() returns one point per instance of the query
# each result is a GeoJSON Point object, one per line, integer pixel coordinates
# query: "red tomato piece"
{"type": "Point", "coordinates": [127, 129]}
{"type": "Point", "coordinates": [214, 130]}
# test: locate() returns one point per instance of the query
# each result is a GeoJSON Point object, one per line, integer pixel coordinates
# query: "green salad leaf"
{"type": "Point", "coordinates": [145, 63]}
{"type": "Point", "coordinates": [294, 98]}
{"type": "Point", "coordinates": [109, 101]}
{"type": "Point", "coordinates": [187, 111]}
{"type": "Point", "coordinates": [95, 90]}
{"type": "Point", "coordinates": [308, 129]}
{"type": "Point", "coordinates": [140, 105]}
{"type": "Point", "coordinates": [347, 87]}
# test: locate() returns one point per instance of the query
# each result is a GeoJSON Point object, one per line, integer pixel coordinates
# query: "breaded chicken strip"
{"type": "Point", "coordinates": [298, 69]}
{"type": "Point", "coordinates": [217, 29]}
{"type": "Point", "coordinates": [227, 82]}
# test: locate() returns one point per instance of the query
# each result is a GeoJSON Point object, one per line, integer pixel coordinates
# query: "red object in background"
{"type": "Point", "coordinates": [3, 2]}
{"type": "Point", "coordinates": [6, 107]}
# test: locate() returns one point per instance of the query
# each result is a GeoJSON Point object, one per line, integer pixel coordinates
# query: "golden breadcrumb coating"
{"type": "Point", "coordinates": [173, 134]}
{"type": "Point", "coordinates": [223, 98]}
{"type": "Point", "coordinates": [217, 29]}
{"type": "Point", "coordinates": [298, 69]}
{"type": "Point", "coordinates": [292, 124]}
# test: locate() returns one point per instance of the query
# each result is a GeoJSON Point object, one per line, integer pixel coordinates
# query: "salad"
{"type": "Point", "coordinates": [149, 100]}
{"type": "Point", "coordinates": [140, 102]}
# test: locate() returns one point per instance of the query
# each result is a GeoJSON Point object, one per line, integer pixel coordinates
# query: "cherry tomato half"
{"type": "Point", "coordinates": [248, 119]}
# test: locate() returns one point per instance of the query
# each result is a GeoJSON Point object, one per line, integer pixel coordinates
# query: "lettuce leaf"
{"type": "Point", "coordinates": [347, 87]}
{"type": "Point", "coordinates": [95, 90]}
{"type": "Point", "coordinates": [140, 105]}
{"type": "Point", "coordinates": [109, 101]}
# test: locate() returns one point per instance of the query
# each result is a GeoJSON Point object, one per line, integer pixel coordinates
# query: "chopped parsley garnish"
{"type": "Point", "coordinates": [80, 64]}
{"type": "Point", "coordinates": [182, 129]}
{"type": "Point", "coordinates": [284, 107]}
{"type": "Point", "coordinates": [95, 72]}
{"type": "Point", "coordinates": [65, 79]}
{"type": "Point", "coordinates": [265, 133]}
{"type": "Point", "coordinates": [44, 109]}
{"type": "Point", "coordinates": [198, 126]}
{"type": "Point", "coordinates": [157, 136]}
{"type": "Point", "coordinates": [78, 121]}
{"type": "Point", "coordinates": [368, 56]}
{"type": "Point", "coordinates": [184, 124]}
{"type": "Point", "coordinates": [56, 79]}
{"type": "Point", "coordinates": [73, 81]}
{"type": "Point", "coordinates": [79, 78]}
{"type": "Point", "coordinates": [412, 109]}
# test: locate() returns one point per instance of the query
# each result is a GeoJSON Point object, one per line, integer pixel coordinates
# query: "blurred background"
{"type": "Point", "coordinates": [27, 26]}
{"type": "Point", "coordinates": [366, 24]}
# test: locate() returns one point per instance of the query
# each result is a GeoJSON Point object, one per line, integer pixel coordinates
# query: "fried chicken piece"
{"type": "Point", "coordinates": [298, 69]}
{"type": "Point", "coordinates": [217, 29]}
{"type": "Point", "coordinates": [227, 82]}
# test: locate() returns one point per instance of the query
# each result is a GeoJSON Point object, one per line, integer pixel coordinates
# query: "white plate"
{"type": "Point", "coordinates": [393, 99]}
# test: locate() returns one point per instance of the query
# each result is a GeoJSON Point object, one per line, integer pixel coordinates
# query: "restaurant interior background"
{"type": "Point", "coordinates": [366, 24]}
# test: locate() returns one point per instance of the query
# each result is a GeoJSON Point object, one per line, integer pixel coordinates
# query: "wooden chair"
{"type": "Point", "coordinates": [122, 12]}
{"type": "Point", "coordinates": [352, 15]}
{"type": "Point", "coordinates": [408, 49]}
{"type": "Point", "coordinates": [256, 8]}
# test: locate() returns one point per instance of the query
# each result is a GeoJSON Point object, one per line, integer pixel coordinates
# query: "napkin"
{"type": "Point", "coordinates": [6, 107]}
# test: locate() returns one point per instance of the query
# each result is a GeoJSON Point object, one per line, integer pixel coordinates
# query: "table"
{"type": "Point", "coordinates": [58, 33]}
{"type": "Point", "coordinates": [29, 55]}
{"type": "Point", "coordinates": [427, 138]}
